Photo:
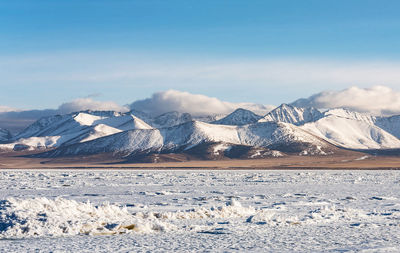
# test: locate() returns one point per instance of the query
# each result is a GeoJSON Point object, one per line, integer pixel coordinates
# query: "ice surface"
{"type": "Point", "coordinates": [285, 211]}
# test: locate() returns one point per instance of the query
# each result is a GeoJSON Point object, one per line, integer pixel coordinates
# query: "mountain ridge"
{"type": "Point", "coordinates": [191, 134]}
{"type": "Point", "coordinates": [293, 115]}
{"type": "Point", "coordinates": [239, 117]}
{"type": "Point", "coordinates": [285, 130]}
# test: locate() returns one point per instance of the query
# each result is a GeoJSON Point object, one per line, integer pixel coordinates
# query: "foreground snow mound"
{"type": "Point", "coordinates": [43, 217]}
{"type": "Point", "coordinates": [239, 117]}
{"type": "Point", "coordinates": [38, 217]}
{"type": "Point", "coordinates": [290, 114]}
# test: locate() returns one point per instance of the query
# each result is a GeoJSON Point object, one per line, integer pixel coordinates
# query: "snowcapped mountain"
{"type": "Point", "coordinates": [293, 115]}
{"type": "Point", "coordinates": [71, 128]}
{"type": "Point", "coordinates": [241, 134]}
{"type": "Point", "coordinates": [5, 135]}
{"type": "Point", "coordinates": [352, 130]}
{"type": "Point", "coordinates": [278, 136]}
{"type": "Point", "coordinates": [239, 117]}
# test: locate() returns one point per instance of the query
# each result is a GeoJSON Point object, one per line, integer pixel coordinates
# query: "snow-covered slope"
{"type": "Point", "coordinates": [239, 117]}
{"type": "Point", "coordinates": [352, 130]}
{"type": "Point", "coordinates": [290, 114]}
{"type": "Point", "coordinates": [342, 127]}
{"type": "Point", "coordinates": [348, 114]}
{"type": "Point", "coordinates": [285, 137]}
{"type": "Point", "coordinates": [60, 130]}
{"type": "Point", "coordinates": [74, 122]}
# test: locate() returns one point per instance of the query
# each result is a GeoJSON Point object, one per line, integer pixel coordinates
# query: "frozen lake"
{"type": "Point", "coordinates": [218, 211]}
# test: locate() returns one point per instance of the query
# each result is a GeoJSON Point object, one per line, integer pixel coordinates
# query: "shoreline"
{"type": "Point", "coordinates": [340, 162]}
{"type": "Point", "coordinates": [202, 169]}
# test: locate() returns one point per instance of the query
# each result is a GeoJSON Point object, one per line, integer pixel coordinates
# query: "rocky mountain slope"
{"type": "Point", "coordinates": [5, 135]}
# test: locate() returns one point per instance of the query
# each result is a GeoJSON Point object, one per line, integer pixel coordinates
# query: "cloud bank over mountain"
{"type": "Point", "coordinates": [159, 103]}
{"type": "Point", "coordinates": [195, 104]}
{"type": "Point", "coordinates": [376, 100]}
{"type": "Point", "coordinates": [82, 104]}
{"type": "Point", "coordinates": [15, 119]}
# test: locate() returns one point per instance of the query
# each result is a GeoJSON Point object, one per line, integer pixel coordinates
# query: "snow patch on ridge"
{"type": "Point", "coordinates": [222, 147]}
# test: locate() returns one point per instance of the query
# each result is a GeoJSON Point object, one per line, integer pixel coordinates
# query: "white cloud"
{"type": "Point", "coordinates": [376, 100]}
{"type": "Point", "coordinates": [195, 104]}
{"type": "Point", "coordinates": [82, 104]}
{"type": "Point", "coordinates": [4, 108]}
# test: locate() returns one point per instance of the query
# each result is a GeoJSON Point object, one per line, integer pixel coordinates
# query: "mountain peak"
{"type": "Point", "coordinates": [286, 106]}
{"type": "Point", "coordinates": [239, 117]}
{"type": "Point", "coordinates": [291, 114]}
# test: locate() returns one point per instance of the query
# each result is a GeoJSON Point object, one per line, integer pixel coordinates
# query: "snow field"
{"type": "Point", "coordinates": [200, 210]}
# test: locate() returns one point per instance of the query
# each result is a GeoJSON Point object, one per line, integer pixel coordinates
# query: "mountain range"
{"type": "Point", "coordinates": [174, 136]}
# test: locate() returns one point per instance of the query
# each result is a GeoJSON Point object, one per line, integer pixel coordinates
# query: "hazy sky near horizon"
{"type": "Point", "coordinates": [268, 52]}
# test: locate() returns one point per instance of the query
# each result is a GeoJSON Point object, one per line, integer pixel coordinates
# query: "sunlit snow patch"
{"type": "Point", "coordinates": [362, 158]}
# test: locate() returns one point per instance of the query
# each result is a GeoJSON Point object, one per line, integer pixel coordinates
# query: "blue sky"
{"type": "Point", "coordinates": [267, 52]}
